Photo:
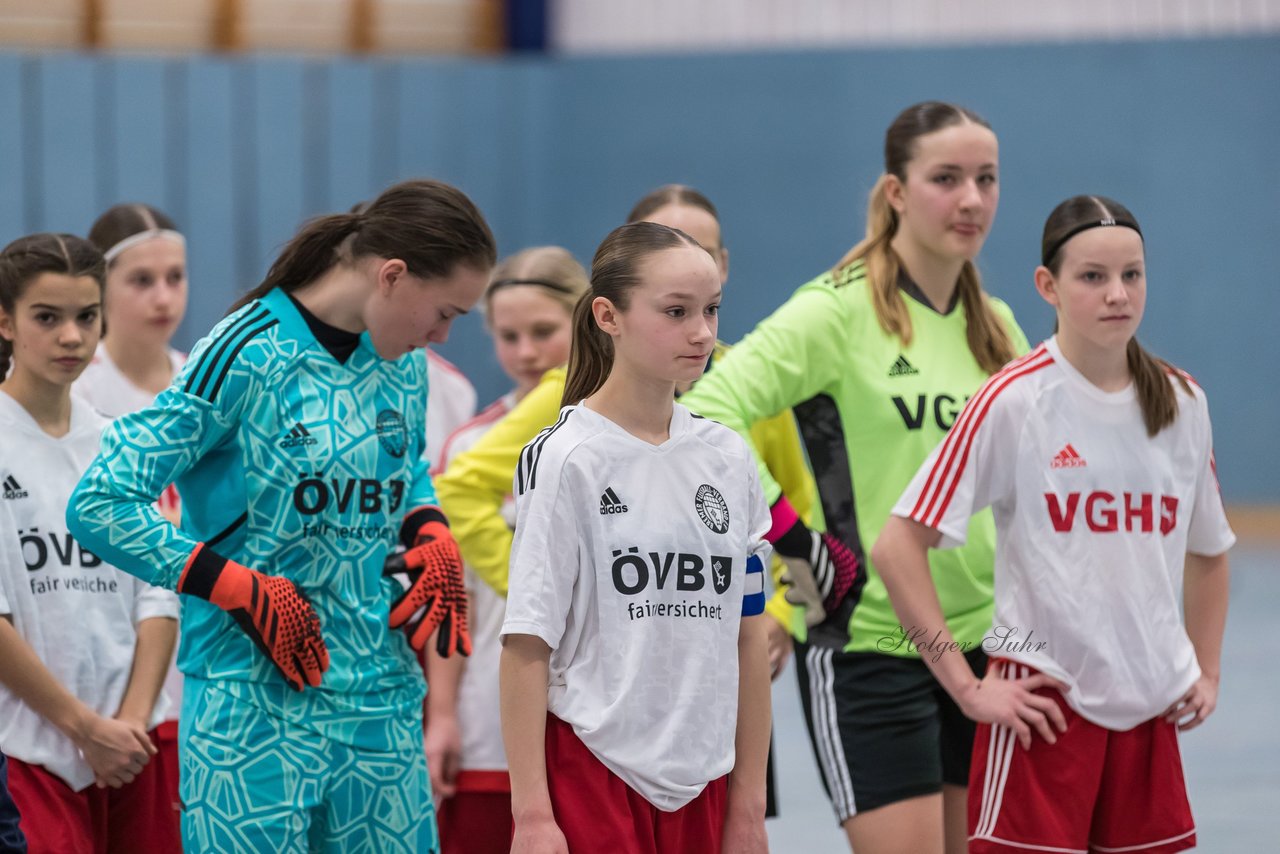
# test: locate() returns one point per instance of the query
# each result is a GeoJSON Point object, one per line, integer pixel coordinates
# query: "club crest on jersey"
{"type": "Point", "coordinates": [712, 509]}
{"type": "Point", "coordinates": [392, 433]}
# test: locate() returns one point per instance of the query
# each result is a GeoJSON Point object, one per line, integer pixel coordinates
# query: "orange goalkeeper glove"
{"type": "Point", "coordinates": [271, 610]}
{"type": "Point", "coordinates": [434, 567]}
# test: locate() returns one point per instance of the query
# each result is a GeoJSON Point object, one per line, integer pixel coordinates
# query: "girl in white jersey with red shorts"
{"type": "Point", "coordinates": [83, 647]}
{"type": "Point", "coordinates": [1097, 461]}
{"type": "Point", "coordinates": [635, 674]}
{"type": "Point", "coordinates": [144, 301]}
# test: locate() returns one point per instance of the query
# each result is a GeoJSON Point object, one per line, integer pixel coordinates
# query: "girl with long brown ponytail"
{"type": "Point", "coordinates": [634, 673]}
{"type": "Point", "coordinates": [528, 308]}
{"type": "Point", "coordinates": [876, 357]}
{"type": "Point", "coordinates": [296, 436]}
{"type": "Point", "coordinates": [1097, 459]}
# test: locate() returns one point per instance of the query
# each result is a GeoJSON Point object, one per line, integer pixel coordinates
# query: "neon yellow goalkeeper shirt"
{"type": "Point", "coordinates": [870, 411]}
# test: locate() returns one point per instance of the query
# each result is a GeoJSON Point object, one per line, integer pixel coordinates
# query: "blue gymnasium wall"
{"type": "Point", "coordinates": [240, 151]}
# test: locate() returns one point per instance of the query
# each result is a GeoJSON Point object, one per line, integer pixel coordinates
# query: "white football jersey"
{"type": "Point", "coordinates": [111, 393]}
{"type": "Point", "coordinates": [478, 702]}
{"type": "Point", "coordinates": [78, 613]}
{"type": "Point", "coordinates": [631, 561]}
{"type": "Point", "coordinates": [451, 401]}
{"type": "Point", "coordinates": [1094, 519]}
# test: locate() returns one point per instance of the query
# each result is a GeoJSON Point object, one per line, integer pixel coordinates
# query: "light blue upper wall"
{"type": "Point", "coordinates": [787, 145]}
{"type": "Point", "coordinates": [1184, 133]}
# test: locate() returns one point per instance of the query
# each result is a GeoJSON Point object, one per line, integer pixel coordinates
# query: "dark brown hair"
{"type": "Point", "coordinates": [125, 220]}
{"type": "Point", "coordinates": [989, 340]}
{"type": "Point", "coordinates": [615, 272]}
{"type": "Point", "coordinates": [672, 194]}
{"type": "Point", "coordinates": [429, 225]}
{"type": "Point", "coordinates": [1156, 395]}
{"type": "Point", "coordinates": [25, 259]}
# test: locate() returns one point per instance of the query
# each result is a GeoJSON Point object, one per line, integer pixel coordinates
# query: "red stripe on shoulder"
{"type": "Point", "coordinates": [1024, 370]}
{"type": "Point", "coordinates": [961, 424]}
{"type": "Point", "coordinates": [1174, 370]}
{"type": "Point", "coordinates": [442, 362]}
{"type": "Point", "coordinates": [944, 476]}
{"type": "Point", "coordinates": [489, 415]}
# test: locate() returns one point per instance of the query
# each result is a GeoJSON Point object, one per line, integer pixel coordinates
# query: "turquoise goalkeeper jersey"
{"type": "Point", "coordinates": [292, 463]}
{"type": "Point", "coordinates": [870, 410]}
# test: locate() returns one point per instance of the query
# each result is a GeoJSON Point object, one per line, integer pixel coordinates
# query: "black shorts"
{"type": "Point", "coordinates": [882, 728]}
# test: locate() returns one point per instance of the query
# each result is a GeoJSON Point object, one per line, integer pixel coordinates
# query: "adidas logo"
{"type": "Point", "coordinates": [902, 368]}
{"type": "Point", "coordinates": [1068, 458]}
{"type": "Point", "coordinates": [13, 489]}
{"type": "Point", "coordinates": [297, 437]}
{"type": "Point", "coordinates": [610, 503]}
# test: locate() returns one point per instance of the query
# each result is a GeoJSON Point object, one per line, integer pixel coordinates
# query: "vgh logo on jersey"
{"type": "Point", "coordinates": [944, 408]}
{"type": "Point", "coordinates": [712, 509]}
{"type": "Point", "coordinates": [1105, 512]}
{"type": "Point", "coordinates": [392, 433]}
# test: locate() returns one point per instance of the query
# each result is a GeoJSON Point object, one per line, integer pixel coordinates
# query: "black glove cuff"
{"type": "Point", "coordinates": [414, 521]}
{"type": "Point", "coordinates": [201, 573]}
{"type": "Point", "coordinates": [796, 542]}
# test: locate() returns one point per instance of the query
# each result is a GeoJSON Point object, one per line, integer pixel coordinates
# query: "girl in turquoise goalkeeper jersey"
{"type": "Point", "coordinates": [296, 436]}
{"type": "Point", "coordinates": [877, 357]}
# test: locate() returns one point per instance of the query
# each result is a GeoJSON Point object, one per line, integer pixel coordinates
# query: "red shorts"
{"type": "Point", "coordinates": [597, 811]}
{"type": "Point", "coordinates": [166, 739]}
{"type": "Point", "coordinates": [56, 819]}
{"type": "Point", "coordinates": [477, 819]}
{"type": "Point", "coordinates": [1095, 790]}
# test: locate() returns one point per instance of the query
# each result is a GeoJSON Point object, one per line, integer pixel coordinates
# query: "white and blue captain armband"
{"type": "Point", "coordinates": [753, 594]}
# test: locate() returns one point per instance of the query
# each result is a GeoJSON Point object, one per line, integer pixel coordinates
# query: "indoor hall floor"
{"type": "Point", "coordinates": [1232, 761]}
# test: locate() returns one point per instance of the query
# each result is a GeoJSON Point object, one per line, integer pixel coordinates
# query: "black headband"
{"type": "Point", "coordinates": [542, 283]}
{"type": "Point", "coordinates": [1085, 226]}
